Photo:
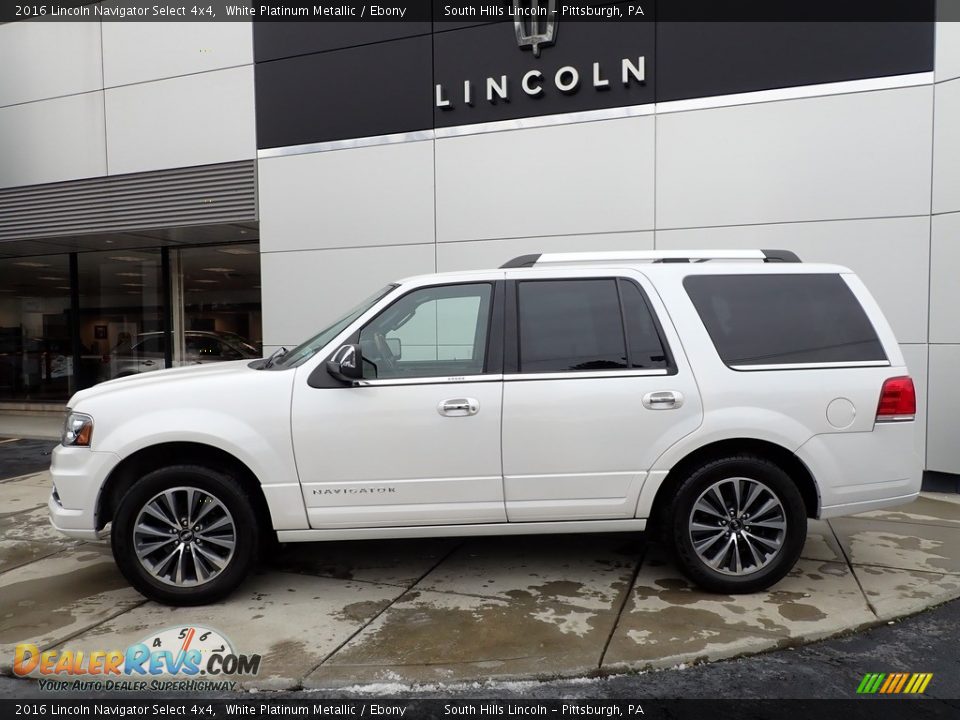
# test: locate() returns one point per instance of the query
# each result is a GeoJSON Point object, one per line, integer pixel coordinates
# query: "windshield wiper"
{"type": "Point", "coordinates": [278, 353]}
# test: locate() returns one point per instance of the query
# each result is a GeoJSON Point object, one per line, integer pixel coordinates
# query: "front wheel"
{"type": "Point", "coordinates": [738, 524]}
{"type": "Point", "coordinates": [185, 535]}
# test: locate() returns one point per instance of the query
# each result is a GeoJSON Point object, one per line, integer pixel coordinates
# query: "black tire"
{"type": "Point", "coordinates": [774, 564]}
{"type": "Point", "coordinates": [215, 484]}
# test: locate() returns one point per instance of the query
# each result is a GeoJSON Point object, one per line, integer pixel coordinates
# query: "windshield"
{"type": "Point", "coordinates": [307, 350]}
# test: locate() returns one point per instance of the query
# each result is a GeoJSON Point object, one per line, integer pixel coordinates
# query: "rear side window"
{"type": "Point", "coordinates": [585, 325]}
{"type": "Point", "coordinates": [783, 319]}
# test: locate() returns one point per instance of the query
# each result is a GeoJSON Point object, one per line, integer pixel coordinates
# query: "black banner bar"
{"type": "Point", "coordinates": [457, 13]}
{"type": "Point", "coordinates": [868, 708]}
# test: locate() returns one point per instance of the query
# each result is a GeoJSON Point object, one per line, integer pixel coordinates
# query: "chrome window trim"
{"type": "Point", "coordinates": [812, 365]}
{"type": "Point", "coordinates": [577, 375]}
{"type": "Point", "coordinates": [492, 377]}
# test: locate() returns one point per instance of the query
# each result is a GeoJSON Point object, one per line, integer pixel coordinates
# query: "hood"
{"type": "Point", "coordinates": [158, 378]}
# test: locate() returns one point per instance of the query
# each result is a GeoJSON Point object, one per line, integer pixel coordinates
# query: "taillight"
{"type": "Point", "coordinates": [898, 400]}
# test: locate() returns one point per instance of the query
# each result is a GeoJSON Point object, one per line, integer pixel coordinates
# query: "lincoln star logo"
{"type": "Point", "coordinates": [535, 25]}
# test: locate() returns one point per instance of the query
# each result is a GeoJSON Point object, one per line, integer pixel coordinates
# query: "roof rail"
{"type": "Point", "coordinates": [653, 256]}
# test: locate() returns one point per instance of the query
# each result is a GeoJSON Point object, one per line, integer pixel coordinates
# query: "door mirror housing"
{"type": "Point", "coordinates": [346, 364]}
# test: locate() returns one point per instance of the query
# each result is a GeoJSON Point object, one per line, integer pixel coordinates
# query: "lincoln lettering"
{"type": "Point", "coordinates": [532, 83]}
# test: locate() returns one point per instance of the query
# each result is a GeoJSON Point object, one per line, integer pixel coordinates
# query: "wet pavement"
{"type": "Point", "coordinates": [330, 616]}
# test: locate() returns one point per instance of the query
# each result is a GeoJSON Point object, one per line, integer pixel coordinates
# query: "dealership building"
{"type": "Point", "coordinates": [182, 192]}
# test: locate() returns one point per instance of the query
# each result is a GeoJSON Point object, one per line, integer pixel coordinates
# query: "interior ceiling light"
{"type": "Point", "coordinates": [48, 277]}
{"type": "Point", "coordinates": [237, 251]}
{"type": "Point", "coordinates": [30, 263]}
{"type": "Point", "coordinates": [62, 287]}
{"type": "Point", "coordinates": [208, 282]}
{"type": "Point", "coordinates": [129, 274]}
{"type": "Point", "coordinates": [220, 270]}
{"type": "Point", "coordinates": [133, 284]}
{"type": "Point", "coordinates": [126, 258]}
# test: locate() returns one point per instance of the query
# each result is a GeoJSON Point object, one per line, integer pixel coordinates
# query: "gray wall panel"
{"type": "Point", "coordinates": [303, 292]}
{"type": "Point", "coordinates": [943, 450]}
{"type": "Point", "coordinates": [52, 140]}
{"type": "Point", "coordinates": [42, 59]}
{"type": "Point", "coordinates": [484, 254]}
{"type": "Point", "coordinates": [348, 198]}
{"type": "Point", "coordinates": [846, 156]}
{"type": "Point", "coordinates": [944, 288]}
{"type": "Point", "coordinates": [193, 120]}
{"type": "Point", "coordinates": [585, 178]}
{"type": "Point", "coordinates": [948, 51]}
{"type": "Point", "coordinates": [136, 52]}
{"type": "Point", "coordinates": [946, 148]}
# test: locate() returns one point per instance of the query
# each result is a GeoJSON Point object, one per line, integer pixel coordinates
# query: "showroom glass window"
{"type": "Point", "coordinates": [121, 314]}
{"type": "Point", "coordinates": [586, 325]}
{"type": "Point", "coordinates": [36, 352]}
{"type": "Point", "coordinates": [432, 332]}
{"type": "Point", "coordinates": [220, 311]}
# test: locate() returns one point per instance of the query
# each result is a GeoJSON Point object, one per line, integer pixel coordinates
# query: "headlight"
{"type": "Point", "coordinates": [77, 430]}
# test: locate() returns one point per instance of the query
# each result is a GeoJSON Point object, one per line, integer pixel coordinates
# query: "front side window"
{"type": "Point", "coordinates": [432, 332]}
{"type": "Point", "coordinates": [784, 319]}
{"type": "Point", "coordinates": [570, 325]}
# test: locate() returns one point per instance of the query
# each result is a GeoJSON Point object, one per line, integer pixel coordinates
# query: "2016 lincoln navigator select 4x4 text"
{"type": "Point", "coordinates": [721, 396]}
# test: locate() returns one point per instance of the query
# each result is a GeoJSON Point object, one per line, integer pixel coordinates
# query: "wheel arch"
{"type": "Point", "coordinates": [779, 455]}
{"type": "Point", "coordinates": [154, 457]}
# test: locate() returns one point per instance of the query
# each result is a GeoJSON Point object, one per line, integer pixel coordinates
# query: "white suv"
{"type": "Point", "coordinates": [724, 402]}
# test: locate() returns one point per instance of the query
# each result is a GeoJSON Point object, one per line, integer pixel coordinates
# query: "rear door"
{"type": "Point", "coordinates": [596, 387]}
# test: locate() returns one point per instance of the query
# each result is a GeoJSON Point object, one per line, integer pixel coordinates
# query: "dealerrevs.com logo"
{"type": "Point", "coordinates": [178, 658]}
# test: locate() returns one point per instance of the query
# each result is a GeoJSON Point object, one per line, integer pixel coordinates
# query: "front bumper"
{"type": "Point", "coordinates": [78, 474]}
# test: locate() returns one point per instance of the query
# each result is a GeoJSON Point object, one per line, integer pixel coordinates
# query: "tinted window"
{"type": "Point", "coordinates": [432, 332]}
{"type": "Point", "coordinates": [643, 339]}
{"type": "Point", "coordinates": [570, 325]}
{"type": "Point", "coordinates": [776, 319]}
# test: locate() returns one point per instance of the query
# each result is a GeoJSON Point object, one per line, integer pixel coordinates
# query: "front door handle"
{"type": "Point", "coordinates": [663, 400]}
{"type": "Point", "coordinates": [459, 407]}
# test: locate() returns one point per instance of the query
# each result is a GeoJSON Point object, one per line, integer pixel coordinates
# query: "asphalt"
{"type": "Point", "coordinates": [504, 617]}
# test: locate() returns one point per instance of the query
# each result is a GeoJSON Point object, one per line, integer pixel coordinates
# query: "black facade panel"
{"type": "Point", "coordinates": [701, 59]}
{"type": "Point", "coordinates": [368, 90]}
{"type": "Point", "coordinates": [484, 51]}
{"type": "Point", "coordinates": [276, 40]}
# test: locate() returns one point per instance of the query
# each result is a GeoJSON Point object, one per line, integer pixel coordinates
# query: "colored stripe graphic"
{"type": "Point", "coordinates": [894, 683]}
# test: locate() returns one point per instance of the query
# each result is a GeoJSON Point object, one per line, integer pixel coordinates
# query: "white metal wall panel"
{"type": "Point", "coordinates": [304, 291]}
{"type": "Point", "coordinates": [363, 196]}
{"type": "Point", "coordinates": [43, 60]}
{"type": "Point", "coordinates": [52, 140]}
{"type": "Point", "coordinates": [946, 148]}
{"type": "Point", "coordinates": [193, 120]}
{"type": "Point", "coordinates": [135, 52]}
{"type": "Point", "coordinates": [585, 178]}
{"type": "Point", "coordinates": [861, 155]}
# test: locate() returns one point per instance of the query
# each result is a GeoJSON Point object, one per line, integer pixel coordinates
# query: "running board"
{"type": "Point", "coordinates": [427, 531]}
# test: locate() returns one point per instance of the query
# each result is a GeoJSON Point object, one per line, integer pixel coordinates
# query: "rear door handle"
{"type": "Point", "coordinates": [459, 407]}
{"type": "Point", "coordinates": [663, 400]}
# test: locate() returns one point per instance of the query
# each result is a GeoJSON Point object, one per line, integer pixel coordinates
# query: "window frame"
{"type": "Point", "coordinates": [493, 351]}
{"type": "Point", "coordinates": [511, 360]}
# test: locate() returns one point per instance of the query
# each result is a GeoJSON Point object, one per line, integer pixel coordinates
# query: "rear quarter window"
{"type": "Point", "coordinates": [769, 319]}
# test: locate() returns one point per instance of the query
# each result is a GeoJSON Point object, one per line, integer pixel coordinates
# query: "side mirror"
{"type": "Point", "coordinates": [346, 363]}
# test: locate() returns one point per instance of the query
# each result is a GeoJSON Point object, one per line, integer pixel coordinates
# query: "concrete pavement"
{"type": "Point", "coordinates": [335, 615]}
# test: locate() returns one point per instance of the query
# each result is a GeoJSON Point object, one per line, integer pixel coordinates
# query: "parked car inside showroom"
{"type": "Point", "coordinates": [720, 398]}
{"type": "Point", "coordinates": [148, 350]}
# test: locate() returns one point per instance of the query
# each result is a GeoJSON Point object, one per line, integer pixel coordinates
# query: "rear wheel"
{"type": "Point", "coordinates": [737, 524]}
{"type": "Point", "coordinates": [185, 535]}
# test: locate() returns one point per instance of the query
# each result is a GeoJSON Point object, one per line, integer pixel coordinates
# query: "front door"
{"type": "Point", "coordinates": [417, 441]}
{"type": "Point", "coordinates": [592, 396]}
